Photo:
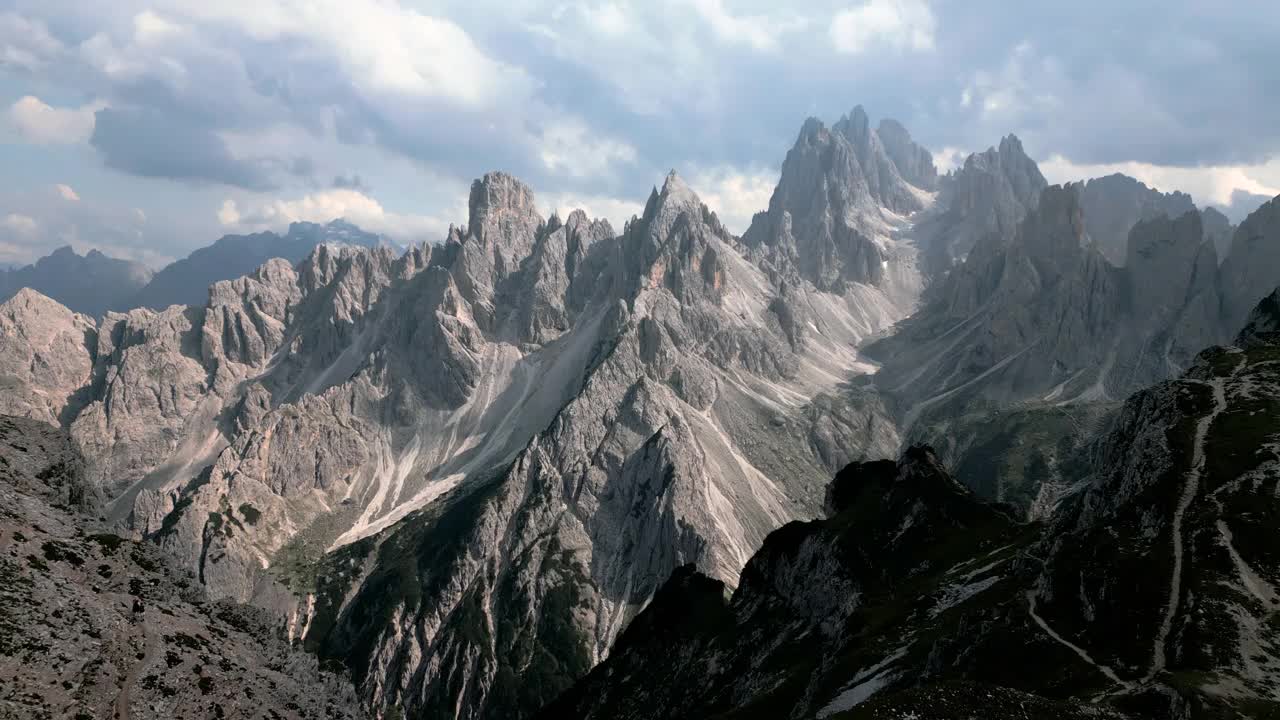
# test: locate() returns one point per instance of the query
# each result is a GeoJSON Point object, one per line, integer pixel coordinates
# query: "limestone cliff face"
{"type": "Point", "coordinates": [913, 162]}
{"type": "Point", "coordinates": [1250, 266]}
{"type": "Point", "coordinates": [822, 214]}
{"type": "Point", "coordinates": [664, 455]}
{"type": "Point", "coordinates": [1043, 320]}
{"type": "Point", "coordinates": [989, 195]}
{"type": "Point", "coordinates": [1115, 203]}
{"type": "Point", "coordinates": [46, 357]}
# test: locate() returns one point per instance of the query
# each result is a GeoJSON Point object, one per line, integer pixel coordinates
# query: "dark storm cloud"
{"type": "Point", "coordinates": [146, 143]}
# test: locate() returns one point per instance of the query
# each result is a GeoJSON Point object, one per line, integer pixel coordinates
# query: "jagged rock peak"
{"type": "Point", "coordinates": [30, 300]}
{"type": "Point", "coordinates": [1152, 236]}
{"type": "Point", "coordinates": [914, 162]}
{"type": "Point", "coordinates": [1009, 157]}
{"type": "Point", "coordinates": [1252, 265]}
{"type": "Point", "coordinates": [1217, 230]}
{"type": "Point", "coordinates": [498, 202]}
{"type": "Point", "coordinates": [674, 188]}
{"type": "Point", "coordinates": [884, 181]}
{"type": "Point", "coordinates": [995, 189]}
{"type": "Point", "coordinates": [1115, 203]}
{"type": "Point", "coordinates": [664, 206]}
{"type": "Point", "coordinates": [811, 128]}
{"type": "Point", "coordinates": [856, 124]}
{"type": "Point", "coordinates": [44, 356]}
{"type": "Point", "coordinates": [1054, 233]}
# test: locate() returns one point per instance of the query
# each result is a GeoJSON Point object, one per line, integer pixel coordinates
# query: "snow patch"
{"type": "Point", "coordinates": [865, 684]}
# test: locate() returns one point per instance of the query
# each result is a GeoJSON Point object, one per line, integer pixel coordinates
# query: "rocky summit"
{"type": "Point", "coordinates": [552, 467]}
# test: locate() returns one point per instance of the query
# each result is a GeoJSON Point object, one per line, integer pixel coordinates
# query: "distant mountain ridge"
{"type": "Point", "coordinates": [94, 283]}
{"type": "Point", "coordinates": [91, 283]}
{"type": "Point", "coordinates": [186, 281]}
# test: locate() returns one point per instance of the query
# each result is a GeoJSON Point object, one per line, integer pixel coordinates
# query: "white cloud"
{"type": "Point", "coordinates": [608, 19]}
{"type": "Point", "coordinates": [154, 48]}
{"type": "Point", "coordinates": [229, 213]}
{"type": "Point", "coordinates": [734, 195]}
{"type": "Point", "coordinates": [26, 44]}
{"type": "Point", "coordinates": [66, 192]}
{"type": "Point", "coordinates": [758, 32]}
{"type": "Point", "coordinates": [385, 47]}
{"type": "Point", "coordinates": [949, 158]}
{"type": "Point", "coordinates": [1025, 84]}
{"type": "Point", "coordinates": [150, 28]}
{"type": "Point", "coordinates": [19, 224]}
{"type": "Point", "coordinates": [652, 61]}
{"type": "Point", "coordinates": [326, 205]}
{"type": "Point", "coordinates": [893, 24]}
{"type": "Point", "coordinates": [44, 218]}
{"type": "Point", "coordinates": [1209, 185]}
{"type": "Point", "coordinates": [43, 124]}
{"type": "Point", "coordinates": [569, 147]}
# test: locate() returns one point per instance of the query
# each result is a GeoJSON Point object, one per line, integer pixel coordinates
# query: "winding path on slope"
{"type": "Point", "coordinates": [120, 709]}
{"type": "Point", "coordinates": [1190, 488]}
{"type": "Point", "coordinates": [1079, 651]}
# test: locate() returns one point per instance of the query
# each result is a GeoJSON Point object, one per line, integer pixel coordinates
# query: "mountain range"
{"type": "Point", "coordinates": [90, 283]}
{"type": "Point", "coordinates": [549, 463]}
{"type": "Point", "coordinates": [94, 283]}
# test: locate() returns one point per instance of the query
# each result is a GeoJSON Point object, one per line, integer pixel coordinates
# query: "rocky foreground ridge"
{"type": "Point", "coordinates": [1150, 593]}
{"type": "Point", "coordinates": [93, 625]}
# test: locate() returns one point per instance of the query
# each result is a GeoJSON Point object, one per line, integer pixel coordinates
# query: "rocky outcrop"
{"type": "Point", "coordinates": [1250, 268]}
{"type": "Point", "coordinates": [1024, 315]}
{"type": "Point", "coordinates": [821, 216]}
{"type": "Point", "coordinates": [96, 625]}
{"type": "Point", "coordinates": [150, 395]}
{"type": "Point", "coordinates": [884, 182]}
{"type": "Point", "coordinates": [988, 196]}
{"type": "Point", "coordinates": [1217, 230]}
{"type": "Point", "coordinates": [547, 300]}
{"type": "Point", "coordinates": [1263, 323]}
{"type": "Point", "coordinates": [46, 357]}
{"type": "Point", "coordinates": [913, 162]}
{"type": "Point", "coordinates": [1115, 203]}
{"type": "Point", "coordinates": [841, 200]}
{"type": "Point", "coordinates": [1043, 320]}
{"type": "Point", "coordinates": [90, 284]}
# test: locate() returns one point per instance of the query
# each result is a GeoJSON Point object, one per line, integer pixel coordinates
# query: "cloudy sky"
{"type": "Point", "coordinates": [150, 127]}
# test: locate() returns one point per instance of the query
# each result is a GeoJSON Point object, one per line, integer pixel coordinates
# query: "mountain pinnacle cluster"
{"type": "Point", "coordinates": [913, 445]}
